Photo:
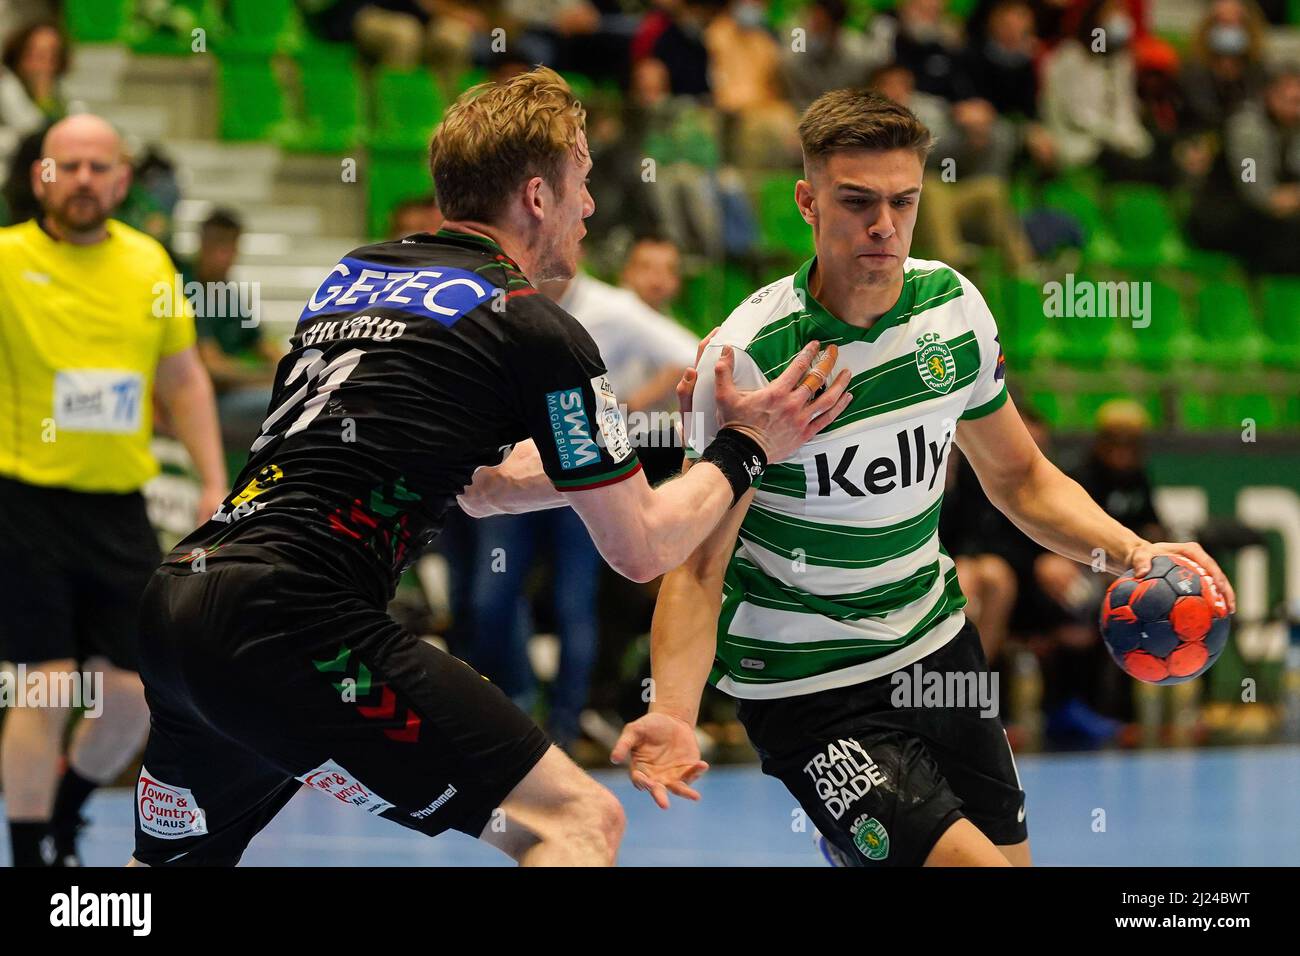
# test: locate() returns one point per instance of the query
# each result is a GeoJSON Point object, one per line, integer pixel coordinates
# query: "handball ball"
{"type": "Point", "coordinates": [1168, 626]}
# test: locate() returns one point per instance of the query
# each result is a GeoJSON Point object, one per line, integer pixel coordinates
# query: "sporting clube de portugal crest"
{"type": "Point", "coordinates": [934, 362]}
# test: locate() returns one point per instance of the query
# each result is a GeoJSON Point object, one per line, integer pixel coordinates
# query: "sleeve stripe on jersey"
{"type": "Point", "coordinates": [992, 405]}
{"type": "Point", "coordinates": [599, 481]}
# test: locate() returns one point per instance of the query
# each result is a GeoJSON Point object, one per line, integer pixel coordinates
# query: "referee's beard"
{"type": "Point", "coordinates": [79, 214]}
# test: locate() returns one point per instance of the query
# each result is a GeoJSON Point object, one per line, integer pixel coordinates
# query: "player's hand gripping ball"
{"type": "Point", "coordinates": [1167, 627]}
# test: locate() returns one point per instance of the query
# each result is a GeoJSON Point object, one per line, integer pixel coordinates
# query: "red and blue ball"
{"type": "Point", "coordinates": [1168, 626]}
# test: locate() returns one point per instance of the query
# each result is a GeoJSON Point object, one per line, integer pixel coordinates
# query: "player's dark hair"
{"type": "Point", "coordinates": [860, 119]}
{"type": "Point", "coordinates": [17, 41]}
{"type": "Point", "coordinates": [222, 220]}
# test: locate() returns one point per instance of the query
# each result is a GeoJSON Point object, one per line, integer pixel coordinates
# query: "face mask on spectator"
{"type": "Point", "coordinates": [923, 32]}
{"type": "Point", "coordinates": [1005, 56]}
{"type": "Point", "coordinates": [1119, 29]}
{"type": "Point", "coordinates": [1228, 39]}
{"type": "Point", "coordinates": [749, 15]}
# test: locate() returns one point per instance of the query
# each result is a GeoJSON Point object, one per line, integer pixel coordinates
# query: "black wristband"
{"type": "Point", "coordinates": [740, 459]}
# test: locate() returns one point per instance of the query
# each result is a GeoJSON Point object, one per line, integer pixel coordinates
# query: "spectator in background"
{"type": "Point", "coordinates": [645, 354]}
{"type": "Point", "coordinates": [745, 76]}
{"type": "Point", "coordinates": [1049, 19]}
{"type": "Point", "coordinates": [402, 34]}
{"type": "Point", "coordinates": [239, 360]}
{"type": "Point", "coordinates": [1252, 205]}
{"type": "Point", "coordinates": [1089, 100]}
{"type": "Point", "coordinates": [653, 270]}
{"type": "Point", "coordinates": [1001, 65]}
{"type": "Point", "coordinates": [20, 202]}
{"type": "Point", "coordinates": [1225, 65]}
{"type": "Point", "coordinates": [35, 59]}
{"type": "Point", "coordinates": [680, 136]}
{"type": "Point", "coordinates": [832, 57]}
{"type": "Point", "coordinates": [675, 37]}
{"type": "Point", "coordinates": [1018, 588]}
{"type": "Point", "coordinates": [929, 43]}
{"type": "Point", "coordinates": [415, 214]}
{"type": "Point", "coordinates": [966, 195]}
{"type": "Point", "coordinates": [1114, 473]}
{"type": "Point", "coordinates": [575, 35]}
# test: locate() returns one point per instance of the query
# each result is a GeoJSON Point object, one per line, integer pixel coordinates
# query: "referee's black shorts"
{"type": "Point", "coordinates": [882, 778]}
{"type": "Point", "coordinates": [264, 677]}
{"type": "Point", "coordinates": [73, 565]}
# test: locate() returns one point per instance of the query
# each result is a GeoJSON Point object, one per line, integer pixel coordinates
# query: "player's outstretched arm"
{"type": "Point", "coordinates": [644, 532]}
{"type": "Point", "coordinates": [1053, 509]}
{"type": "Point", "coordinates": [660, 749]}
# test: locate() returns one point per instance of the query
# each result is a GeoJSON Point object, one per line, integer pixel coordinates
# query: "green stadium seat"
{"type": "Point", "coordinates": [581, 85]}
{"type": "Point", "coordinates": [1077, 198]}
{"type": "Point", "coordinates": [1168, 342]}
{"type": "Point", "coordinates": [471, 77]}
{"type": "Point", "coordinates": [97, 21]}
{"type": "Point", "coordinates": [1206, 265]}
{"type": "Point", "coordinates": [1226, 320]}
{"type": "Point", "coordinates": [781, 228]}
{"type": "Point", "coordinates": [1280, 306]}
{"type": "Point", "coordinates": [391, 176]}
{"type": "Point", "coordinates": [262, 26]}
{"type": "Point", "coordinates": [331, 101]}
{"type": "Point", "coordinates": [252, 103]}
{"type": "Point", "coordinates": [407, 106]}
{"type": "Point", "coordinates": [1199, 412]}
{"type": "Point", "coordinates": [1228, 412]}
{"type": "Point", "coordinates": [1049, 405]}
{"type": "Point", "coordinates": [169, 31]}
{"type": "Point", "coordinates": [1027, 335]}
{"type": "Point", "coordinates": [1144, 228]}
{"type": "Point", "coordinates": [699, 309]}
{"type": "Point", "coordinates": [1264, 410]}
{"type": "Point", "coordinates": [1093, 342]}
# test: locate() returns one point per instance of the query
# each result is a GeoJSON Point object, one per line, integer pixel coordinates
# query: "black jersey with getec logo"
{"type": "Point", "coordinates": [414, 363]}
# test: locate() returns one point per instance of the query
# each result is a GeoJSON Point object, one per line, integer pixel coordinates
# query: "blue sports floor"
{"type": "Point", "coordinates": [1217, 807]}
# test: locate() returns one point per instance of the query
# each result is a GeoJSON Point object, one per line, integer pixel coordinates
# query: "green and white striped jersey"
{"type": "Point", "coordinates": [838, 576]}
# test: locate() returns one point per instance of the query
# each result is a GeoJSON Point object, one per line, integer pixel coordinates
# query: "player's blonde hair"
{"type": "Point", "coordinates": [498, 135]}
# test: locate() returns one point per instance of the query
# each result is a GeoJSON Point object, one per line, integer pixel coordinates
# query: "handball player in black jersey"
{"type": "Point", "coordinates": [424, 374]}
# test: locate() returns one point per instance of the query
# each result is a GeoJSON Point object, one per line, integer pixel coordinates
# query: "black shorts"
{"type": "Point", "coordinates": [263, 678]}
{"type": "Point", "coordinates": [883, 782]}
{"type": "Point", "coordinates": [73, 565]}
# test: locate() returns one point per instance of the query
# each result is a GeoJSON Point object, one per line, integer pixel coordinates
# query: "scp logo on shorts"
{"type": "Point", "coordinates": [165, 811]}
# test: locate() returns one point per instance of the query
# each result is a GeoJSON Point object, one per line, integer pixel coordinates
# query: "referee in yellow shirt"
{"type": "Point", "coordinates": [85, 346]}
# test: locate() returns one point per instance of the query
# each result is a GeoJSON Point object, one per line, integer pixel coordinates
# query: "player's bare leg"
{"type": "Point", "coordinates": [558, 816]}
{"type": "Point", "coordinates": [962, 844]}
{"type": "Point", "coordinates": [102, 747]}
{"type": "Point", "coordinates": [30, 748]}
{"type": "Point", "coordinates": [1017, 854]}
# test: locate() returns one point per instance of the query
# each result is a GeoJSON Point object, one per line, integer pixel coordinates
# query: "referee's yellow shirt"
{"type": "Point", "coordinates": [81, 331]}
